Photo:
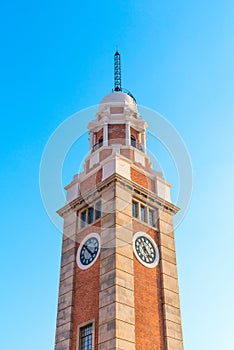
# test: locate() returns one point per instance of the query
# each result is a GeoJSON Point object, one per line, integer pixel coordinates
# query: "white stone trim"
{"type": "Point", "coordinates": [143, 140]}
{"type": "Point", "coordinates": [137, 123]}
{"type": "Point", "coordinates": [73, 192]}
{"type": "Point", "coordinates": [116, 165]}
{"type": "Point", "coordinates": [127, 134]}
{"type": "Point", "coordinates": [139, 157]}
{"type": "Point", "coordinates": [105, 135]}
{"type": "Point", "coordinates": [163, 188]}
{"type": "Point", "coordinates": [93, 333]}
{"type": "Point", "coordinates": [94, 159]}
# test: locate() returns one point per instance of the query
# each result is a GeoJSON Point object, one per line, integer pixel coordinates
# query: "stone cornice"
{"type": "Point", "coordinates": [137, 191]}
{"type": "Point", "coordinates": [138, 123]}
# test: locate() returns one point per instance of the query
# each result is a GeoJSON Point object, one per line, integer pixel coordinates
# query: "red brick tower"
{"type": "Point", "coordinates": [118, 280]}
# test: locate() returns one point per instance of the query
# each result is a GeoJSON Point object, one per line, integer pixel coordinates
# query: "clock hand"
{"type": "Point", "coordinates": [147, 248]}
{"type": "Point", "coordinates": [90, 252]}
{"type": "Point", "coordinates": [144, 249]}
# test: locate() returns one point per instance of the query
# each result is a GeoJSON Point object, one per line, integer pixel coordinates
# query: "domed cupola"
{"type": "Point", "coordinates": [117, 120]}
{"type": "Point", "coordinates": [116, 103]}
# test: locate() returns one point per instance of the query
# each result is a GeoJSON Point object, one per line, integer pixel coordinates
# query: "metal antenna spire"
{"type": "Point", "coordinates": [117, 75]}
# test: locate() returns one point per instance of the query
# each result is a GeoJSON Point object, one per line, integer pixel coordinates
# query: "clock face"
{"type": "Point", "coordinates": [145, 249]}
{"type": "Point", "coordinates": [88, 251]}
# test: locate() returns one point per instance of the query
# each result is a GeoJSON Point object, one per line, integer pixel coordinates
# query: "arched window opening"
{"type": "Point", "coordinates": [133, 141]}
{"type": "Point", "coordinates": [100, 142]}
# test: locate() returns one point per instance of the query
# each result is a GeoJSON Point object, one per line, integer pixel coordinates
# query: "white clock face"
{"type": "Point", "coordinates": [88, 251]}
{"type": "Point", "coordinates": [145, 249]}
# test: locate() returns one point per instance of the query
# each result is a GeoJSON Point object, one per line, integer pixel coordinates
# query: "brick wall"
{"type": "Point", "coordinates": [104, 154]}
{"type": "Point", "coordinates": [116, 134]}
{"type": "Point", "coordinates": [128, 153]}
{"type": "Point", "coordinates": [142, 180]}
{"type": "Point", "coordinates": [86, 293]}
{"type": "Point", "coordinates": [91, 181]}
{"type": "Point", "coordinates": [148, 301]}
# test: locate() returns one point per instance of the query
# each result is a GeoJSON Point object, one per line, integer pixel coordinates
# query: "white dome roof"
{"type": "Point", "coordinates": [118, 98]}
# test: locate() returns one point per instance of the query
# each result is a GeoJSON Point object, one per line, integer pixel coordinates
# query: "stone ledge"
{"type": "Point", "coordinates": [107, 280]}
{"type": "Point", "coordinates": [117, 245]}
{"type": "Point", "coordinates": [65, 300]}
{"type": "Point", "coordinates": [166, 228]}
{"type": "Point", "coordinates": [68, 257]}
{"type": "Point", "coordinates": [66, 285]}
{"type": "Point", "coordinates": [168, 254]}
{"type": "Point", "coordinates": [70, 231]}
{"type": "Point", "coordinates": [116, 311]}
{"type": "Point", "coordinates": [169, 269]}
{"type": "Point", "coordinates": [167, 241]}
{"type": "Point", "coordinates": [173, 330]}
{"type": "Point", "coordinates": [172, 313]}
{"type": "Point", "coordinates": [67, 244]}
{"type": "Point", "coordinates": [116, 232]}
{"type": "Point", "coordinates": [125, 331]}
{"type": "Point", "coordinates": [107, 296]}
{"type": "Point", "coordinates": [171, 298]}
{"type": "Point", "coordinates": [70, 218]}
{"type": "Point", "coordinates": [63, 345]}
{"type": "Point", "coordinates": [107, 313]}
{"type": "Point", "coordinates": [116, 262]}
{"type": "Point", "coordinates": [64, 332]}
{"type": "Point", "coordinates": [107, 345]}
{"type": "Point", "coordinates": [174, 344]}
{"type": "Point", "coordinates": [64, 316]}
{"type": "Point", "coordinates": [67, 271]}
{"type": "Point", "coordinates": [170, 283]}
{"type": "Point", "coordinates": [125, 344]}
{"type": "Point", "coordinates": [118, 278]}
{"type": "Point", "coordinates": [165, 216]}
{"type": "Point", "coordinates": [125, 313]}
{"type": "Point", "coordinates": [107, 331]}
{"type": "Point", "coordinates": [115, 218]}
{"type": "Point", "coordinates": [117, 204]}
{"type": "Point", "coordinates": [125, 279]}
{"type": "Point", "coordinates": [115, 294]}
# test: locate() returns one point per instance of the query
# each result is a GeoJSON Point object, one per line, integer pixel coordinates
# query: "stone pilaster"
{"type": "Point", "coordinates": [63, 340]}
{"type": "Point", "coordinates": [116, 300]}
{"type": "Point", "coordinates": [170, 289]}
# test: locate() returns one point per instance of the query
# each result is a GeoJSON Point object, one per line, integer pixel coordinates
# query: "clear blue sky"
{"type": "Point", "coordinates": [56, 59]}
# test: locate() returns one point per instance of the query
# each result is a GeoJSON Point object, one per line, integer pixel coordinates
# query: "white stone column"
{"type": "Point", "coordinates": [105, 135]}
{"type": "Point", "coordinates": [143, 141]}
{"type": "Point", "coordinates": [128, 134]}
{"type": "Point", "coordinates": [94, 139]}
{"type": "Point", "coordinates": [91, 140]}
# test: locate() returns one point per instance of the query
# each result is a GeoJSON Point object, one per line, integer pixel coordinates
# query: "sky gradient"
{"type": "Point", "coordinates": [57, 59]}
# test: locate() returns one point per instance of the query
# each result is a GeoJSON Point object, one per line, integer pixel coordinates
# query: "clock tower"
{"type": "Point", "coordinates": [118, 278]}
